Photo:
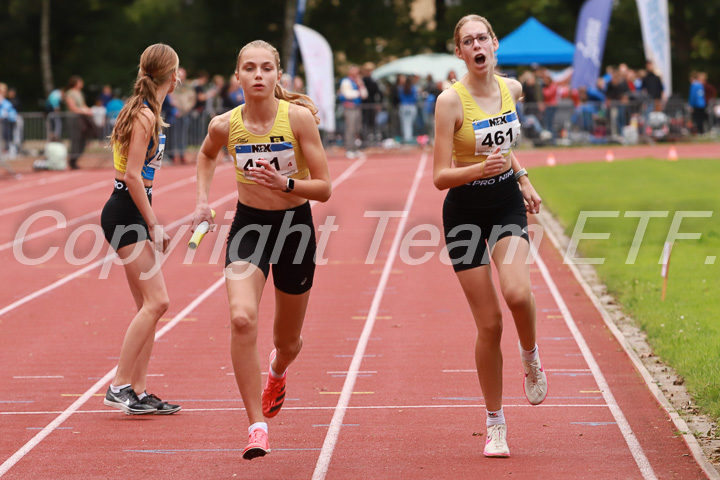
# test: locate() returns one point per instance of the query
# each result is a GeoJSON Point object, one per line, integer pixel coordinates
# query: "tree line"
{"type": "Point", "coordinates": [46, 41]}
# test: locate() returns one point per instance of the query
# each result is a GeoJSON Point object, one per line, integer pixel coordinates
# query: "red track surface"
{"type": "Point", "coordinates": [416, 403]}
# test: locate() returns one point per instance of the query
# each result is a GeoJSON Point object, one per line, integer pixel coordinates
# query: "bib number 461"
{"type": "Point", "coordinates": [498, 138]}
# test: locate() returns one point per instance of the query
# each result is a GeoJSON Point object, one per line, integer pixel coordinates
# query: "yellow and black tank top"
{"type": "Point", "coordinates": [153, 157]}
{"type": "Point", "coordinates": [279, 146]}
{"type": "Point", "coordinates": [153, 160]}
{"type": "Point", "coordinates": [481, 133]}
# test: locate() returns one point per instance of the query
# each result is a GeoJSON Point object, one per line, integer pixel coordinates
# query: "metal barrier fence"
{"type": "Point", "coordinates": [388, 125]}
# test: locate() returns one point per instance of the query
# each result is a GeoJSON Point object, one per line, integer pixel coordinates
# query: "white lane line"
{"type": "Point", "coordinates": [98, 263]}
{"type": "Point", "coordinates": [25, 449]}
{"type": "Point", "coordinates": [323, 463]}
{"type": "Point", "coordinates": [87, 216]}
{"type": "Point", "coordinates": [363, 407]}
{"type": "Point", "coordinates": [57, 177]}
{"type": "Point", "coordinates": [39, 376]}
{"type": "Point", "coordinates": [680, 424]}
{"type": "Point", "coordinates": [52, 198]}
{"type": "Point", "coordinates": [344, 176]}
{"type": "Point", "coordinates": [635, 448]}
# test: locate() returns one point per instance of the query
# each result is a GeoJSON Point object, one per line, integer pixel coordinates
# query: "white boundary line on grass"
{"type": "Point", "coordinates": [680, 424]}
{"type": "Point", "coordinates": [25, 449]}
{"type": "Point", "coordinates": [323, 463]}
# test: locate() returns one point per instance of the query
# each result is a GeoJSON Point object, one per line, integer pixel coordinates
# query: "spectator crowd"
{"type": "Point", "coordinates": [623, 104]}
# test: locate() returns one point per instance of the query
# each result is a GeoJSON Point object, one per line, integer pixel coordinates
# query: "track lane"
{"type": "Point", "coordinates": [392, 433]}
{"type": "Point", "coordinates": [180, 278]}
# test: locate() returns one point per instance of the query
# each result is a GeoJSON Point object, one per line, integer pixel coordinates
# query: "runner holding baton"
{"type": "Point", "coordinates": [199, 233]}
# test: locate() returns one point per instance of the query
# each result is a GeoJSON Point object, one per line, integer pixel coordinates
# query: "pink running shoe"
{"type": "Point", "coordinates": [496, 444]}
{"type": "Point", "coordinates": [273, 394]}
{"type": "Point", "coordinates": [258, 446]}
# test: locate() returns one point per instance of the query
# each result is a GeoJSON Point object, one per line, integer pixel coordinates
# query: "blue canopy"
{"type": "Point", "coordinates": [532, 42]}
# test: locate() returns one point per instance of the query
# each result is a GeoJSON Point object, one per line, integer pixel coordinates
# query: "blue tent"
{"type": "Point", "coordinates": [532, 42]}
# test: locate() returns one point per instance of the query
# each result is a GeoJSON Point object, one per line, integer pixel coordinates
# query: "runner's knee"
{"type": "Point", "coordinates": [243, 322]}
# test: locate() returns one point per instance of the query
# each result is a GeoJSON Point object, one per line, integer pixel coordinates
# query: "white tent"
{"type": "Point", "coordinates": [436, 64]}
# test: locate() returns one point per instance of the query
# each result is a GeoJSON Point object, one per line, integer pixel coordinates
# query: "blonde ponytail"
{"type": "Point", "coordinates": [157, 64]}
{"type": "Point", "coordinates": [297, 99]}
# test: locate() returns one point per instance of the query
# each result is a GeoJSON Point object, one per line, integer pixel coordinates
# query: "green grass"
{"type": "Point", "coordinates": [684, 330]}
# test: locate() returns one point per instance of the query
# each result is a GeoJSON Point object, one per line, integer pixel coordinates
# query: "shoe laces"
{"type": "Point", "coordinates": [534, 369]}
{"type": "Point", "coordinates": [276, 384]}
{"type": "Point", "coordinates": [257, 435]}
{"type": "Point", "coordinates": [496, 437]}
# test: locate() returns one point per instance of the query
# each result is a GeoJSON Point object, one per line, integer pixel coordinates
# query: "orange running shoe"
{"type": "Point", "coordinates": [273, 394]}
{"type": "Point", "coordinates": [258, 446]}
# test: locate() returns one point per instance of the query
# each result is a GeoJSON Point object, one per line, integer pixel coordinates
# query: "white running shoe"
{"type": "Point", "coordinates": [535, 385]}
{"type": "Point", "coordinates": [496, 444]}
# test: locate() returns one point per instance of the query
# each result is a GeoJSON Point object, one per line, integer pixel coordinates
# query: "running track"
{"type": "Point", "coordinates": [385, 387]}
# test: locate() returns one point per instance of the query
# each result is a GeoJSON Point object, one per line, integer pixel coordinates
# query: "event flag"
{"type": "Point", "coordinates": [590, 37]}
{"type": "Point", "coordinates": [318, 60]}
{"type": "Point", "coordinates": [656, 38]}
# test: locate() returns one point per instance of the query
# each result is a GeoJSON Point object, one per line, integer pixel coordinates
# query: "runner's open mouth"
{"type": "Point", "coordinates": [479, 59]}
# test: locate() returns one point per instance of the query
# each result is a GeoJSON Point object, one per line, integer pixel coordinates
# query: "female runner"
{"type": "Point", "coordinates": [131, 227]}
{"type": "Point", "coordinates": [475, 126]}
{"type": "Point", "coordinates": [280, 164]}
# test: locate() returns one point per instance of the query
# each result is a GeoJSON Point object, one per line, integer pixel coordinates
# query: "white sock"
{"type": "Point", "coordinates": [274, 373]}
{"type": "Point", "coordinates": [495, 418]}
{"type": "Point", "coordinates": [529, 355]}
{"type": "Point", "coordinates": [256, 425]}
{"type": "Point", "coordinates": [142, 395]}
{"type": "Point", "coordinates": [117, 389]}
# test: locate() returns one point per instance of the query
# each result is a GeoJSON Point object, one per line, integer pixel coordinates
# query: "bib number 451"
{"type": "Point", "coordinates": [251, 163]}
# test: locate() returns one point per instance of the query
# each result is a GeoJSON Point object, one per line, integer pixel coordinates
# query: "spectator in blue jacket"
{"type": "Point", "coordinates": [408, 96]}
{"type": "Point", "coordinates": [697, 101]}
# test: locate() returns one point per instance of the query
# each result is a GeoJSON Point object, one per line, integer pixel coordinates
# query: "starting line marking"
{"type": "Point", "coordinates": [38, 376]}
{"type": "Point", "coordinates": [354, 393]}
{"type": "Point", "coordinates": [359, 407]}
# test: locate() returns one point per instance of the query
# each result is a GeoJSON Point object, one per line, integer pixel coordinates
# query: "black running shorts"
{"type": "Point", "coordinates": [121, 220]}
{"type": "Point", "coordinates": [284, 239]}
{"type": "Point", "coordinates": [478, 214]}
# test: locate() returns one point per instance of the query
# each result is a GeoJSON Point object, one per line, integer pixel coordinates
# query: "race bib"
{"type": "Point", "coordinates": [156, 161]}
{"type": "Point", "coordinates": [501, 131]}
{"type": "Point", "coordinates": [280, 155]}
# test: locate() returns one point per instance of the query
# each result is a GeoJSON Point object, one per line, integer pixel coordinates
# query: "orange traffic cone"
{"type": "Point", "coordinates": [551, 160]}
{"type": "Point", "coordinates": [609, 157]}
{"type": "Point", "coordinates": [672, 154]}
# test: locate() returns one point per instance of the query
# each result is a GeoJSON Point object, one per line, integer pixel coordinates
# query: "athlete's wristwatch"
{"type": "Point", "coordinates": [290, 185]}
{"type": "Point", "coordinates": [520, 173]}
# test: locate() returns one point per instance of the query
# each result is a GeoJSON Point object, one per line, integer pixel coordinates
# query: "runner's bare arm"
{"type": "Point", "coordinates": [216, 138]}
{"type": "Point", "coordinates": [448, 118]}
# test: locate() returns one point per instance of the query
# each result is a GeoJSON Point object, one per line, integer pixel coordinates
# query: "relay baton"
{"type": "Point", "coordinates": [199, 233]}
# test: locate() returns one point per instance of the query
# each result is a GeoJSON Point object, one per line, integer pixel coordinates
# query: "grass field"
{"type": "Point", "coordinates": [684, 330]}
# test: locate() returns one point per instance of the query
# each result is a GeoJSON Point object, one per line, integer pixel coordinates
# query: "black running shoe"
{"type": "Point", "coordinates": [127, 401]}
{"type": "Point", "coordinates": [162, 408]}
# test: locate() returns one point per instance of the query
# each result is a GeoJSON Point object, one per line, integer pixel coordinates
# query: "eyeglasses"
{"type": "Point", "coordinates": [470, 41]}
